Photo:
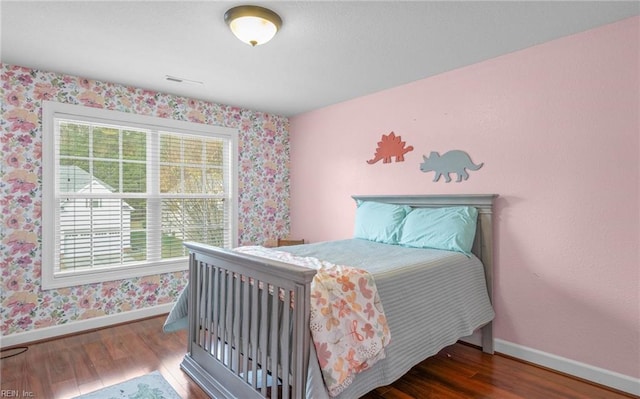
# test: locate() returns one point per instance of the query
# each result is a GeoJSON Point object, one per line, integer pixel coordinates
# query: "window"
{"type": "Point", "coordinates": [122, 192]}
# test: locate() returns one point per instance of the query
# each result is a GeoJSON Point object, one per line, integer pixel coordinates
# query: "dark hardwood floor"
{"type": "Point", "coordinates": [82, 363]}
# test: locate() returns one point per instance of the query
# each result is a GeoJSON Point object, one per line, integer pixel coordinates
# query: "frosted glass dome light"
{"type": "Point", "coordinates": [253, 25]}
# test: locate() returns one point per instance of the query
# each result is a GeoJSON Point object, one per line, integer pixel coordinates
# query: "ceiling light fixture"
{"type": "Point", "coordinates": [253, 25]}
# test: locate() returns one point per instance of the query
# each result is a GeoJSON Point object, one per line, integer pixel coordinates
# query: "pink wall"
{"type": "Point", "coordinates": [557, 126]}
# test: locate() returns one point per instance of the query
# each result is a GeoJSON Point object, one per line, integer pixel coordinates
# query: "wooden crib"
{"type": "Point", "coordinates": [249, 316]}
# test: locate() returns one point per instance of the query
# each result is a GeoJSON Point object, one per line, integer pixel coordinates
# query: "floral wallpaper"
{"type": "Point", "coordinates": [263, 193]}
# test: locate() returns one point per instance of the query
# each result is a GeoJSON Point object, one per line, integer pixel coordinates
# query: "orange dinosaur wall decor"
{"type": "Point", "coordinates": [390, 146]}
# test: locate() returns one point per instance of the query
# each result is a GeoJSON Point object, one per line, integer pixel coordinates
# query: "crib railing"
{"type": "Point", "coordinates": [248, 325]}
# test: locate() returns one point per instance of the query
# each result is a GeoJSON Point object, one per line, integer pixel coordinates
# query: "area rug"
{"type": "Point", "coordinates": [150, 386]}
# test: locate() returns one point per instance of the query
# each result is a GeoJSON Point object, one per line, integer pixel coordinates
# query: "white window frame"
{"type": "Point", "coordinates": [51, 278]}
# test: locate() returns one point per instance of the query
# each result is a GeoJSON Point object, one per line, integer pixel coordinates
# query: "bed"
{"type": "Point", "coordinates": [249, 316]}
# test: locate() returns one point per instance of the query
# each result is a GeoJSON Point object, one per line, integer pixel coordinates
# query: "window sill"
{"type": "Point", "coordinates": [92, 276]}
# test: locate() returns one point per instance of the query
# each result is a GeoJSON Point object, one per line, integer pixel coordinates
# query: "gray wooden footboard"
{"type": "Point", "coordinates": [248, 330]}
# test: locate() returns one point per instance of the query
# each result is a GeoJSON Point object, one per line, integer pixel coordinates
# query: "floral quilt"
{"type": "Point", "coordinates": [348, 325]}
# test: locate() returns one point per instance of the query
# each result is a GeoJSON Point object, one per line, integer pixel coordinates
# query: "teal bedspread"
{"type": "Point", "coordinates": [431, 299]}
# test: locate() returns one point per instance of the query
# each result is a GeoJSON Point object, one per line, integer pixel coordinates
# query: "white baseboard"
{"type": "Point", "coordinates": [82, 325]}
{"type": "Point", "coordinates": [585, 371]}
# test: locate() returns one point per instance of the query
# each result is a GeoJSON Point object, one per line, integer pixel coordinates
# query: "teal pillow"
{"type": "Point", "coordinates": [380, 222]}
{"type": "Point", "coordinates": [451, 229]}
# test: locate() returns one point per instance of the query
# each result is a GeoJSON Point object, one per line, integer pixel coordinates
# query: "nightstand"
{"type": "Point", "coordinates": [284, 242]}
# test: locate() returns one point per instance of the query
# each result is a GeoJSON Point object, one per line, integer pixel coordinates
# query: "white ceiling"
{"type": "Point", "coordinates": [325, 53]}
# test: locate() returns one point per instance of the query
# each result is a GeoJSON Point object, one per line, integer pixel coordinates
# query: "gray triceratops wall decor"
{"type": "Point", "coordinates": [455, 161]}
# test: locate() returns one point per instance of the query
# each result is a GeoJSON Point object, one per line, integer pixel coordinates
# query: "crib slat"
{"type": "Point", "coordinates": [199, 305]}
{"type": "Point", "coordinates": [274, 333]}
{"type": "Point", "coordinates": [286, 338]}
{"type": "Point", "coordinates": [263, 337]}
{"type": "Point", "coordinates": [237, 312]}
{"type": "Point", "coordinates": [254, 334]}
{"type": "Point", "coordinates": [229, 322]}
{"type": "Point", "coordinates": [207, 316]}
{"type": "Point", "coordinates": [215, 303]}
{"type": "Point", "coordinates": [245, 327]}
{"type": "Point", "coordinates": [298, 368]}
{"type": "Point", "coordinates": [193, 298]}
{"type": "Point", "coordinates": [228, 331]}
{"type": "Point", "coordinates": [223, 315]}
